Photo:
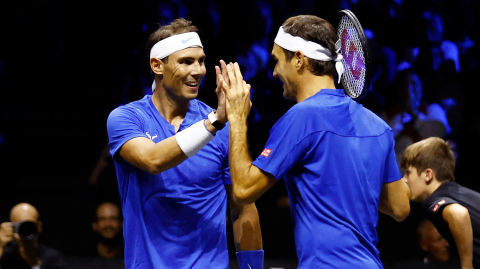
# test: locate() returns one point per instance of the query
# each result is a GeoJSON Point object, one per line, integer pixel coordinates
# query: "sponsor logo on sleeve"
{"type": "Point", "coordinates": [435, 208]}
{"type": "Point", "coordinates": [266, 152]}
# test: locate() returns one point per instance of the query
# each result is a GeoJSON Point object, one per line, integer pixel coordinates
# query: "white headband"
{"type": "Point", "coordinates": [172, 44]}
{"type": "Point", "coordinates": [310, 49]}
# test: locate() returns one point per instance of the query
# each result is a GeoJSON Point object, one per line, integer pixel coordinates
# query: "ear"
{"type": "Point", "coordinates": [157, 66]}
{"type": "Point", "coordinates": [424, 246]}
{"type": "Point", "coordinates": [94, 226]}
{"type": "Point", "coordinates": [429, 175]}
{"type": "Point", "coordinates": [299, 60]}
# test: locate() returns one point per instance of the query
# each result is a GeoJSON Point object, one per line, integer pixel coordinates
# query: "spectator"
{"type": "Point", "coordinates": [411, 118]}
{"type": "Point", "coordinates": [108, 227]}
{"type": "Point", "coordinates": [435, 248]}
{"type": "Point", "coordinates": [19, 246]}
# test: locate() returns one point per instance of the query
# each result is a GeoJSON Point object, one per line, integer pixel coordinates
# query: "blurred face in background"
{"type": "Point", "coordinates": [108, 223]}
{"type": "Point", "coordinates": [436, 247]}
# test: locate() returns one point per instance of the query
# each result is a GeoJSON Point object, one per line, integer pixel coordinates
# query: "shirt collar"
{"type": "Point", "coordinates": [338, 92]}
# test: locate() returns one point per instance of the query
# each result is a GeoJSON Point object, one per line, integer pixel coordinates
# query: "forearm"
{"type": "Point", "coordinates": [155, 158]}
{"type": "Point", "coordinates": [240, 161]}
{"type": "Point", "coordinates": [246, 229]}
{"type": "Point", "coordinates": [151, 157]}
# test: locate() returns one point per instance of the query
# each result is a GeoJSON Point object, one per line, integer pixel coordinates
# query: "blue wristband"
{"type": "Point", "coordinates": [252, 259]}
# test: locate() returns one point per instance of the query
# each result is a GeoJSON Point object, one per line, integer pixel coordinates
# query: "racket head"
{"type": "Point", "coordinates": [356, 56]}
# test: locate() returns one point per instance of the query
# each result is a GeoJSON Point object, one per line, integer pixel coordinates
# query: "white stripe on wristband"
{"type": "Point", "coordinates": [194, 138]}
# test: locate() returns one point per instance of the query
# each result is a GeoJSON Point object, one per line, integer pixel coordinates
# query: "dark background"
{"type": "Point", "coordinates": [64, 65]}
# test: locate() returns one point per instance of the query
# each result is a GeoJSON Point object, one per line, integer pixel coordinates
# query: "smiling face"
{"type": "Point", "coordinates": [417, 184]}
{"type": "Point", "coordinates": [284, 71]}
{"type": "Point", "coordinates": [183, 73]}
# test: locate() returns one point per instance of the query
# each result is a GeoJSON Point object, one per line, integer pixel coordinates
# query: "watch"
{"type": "Point", "coordinates": [213, 120]}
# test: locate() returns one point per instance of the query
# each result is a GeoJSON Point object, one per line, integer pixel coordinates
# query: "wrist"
{"type": "Point", "coordinates": [214, 121]}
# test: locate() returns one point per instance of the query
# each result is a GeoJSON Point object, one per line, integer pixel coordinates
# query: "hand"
{"type": "Point", "coordinates": [6, 233]}
{"type": "Point", "coordinates": [237, 94]}
{"type": "Point", "coordinates": [28, 250]}
{"type": "Point", "coordinates": [221, 109]}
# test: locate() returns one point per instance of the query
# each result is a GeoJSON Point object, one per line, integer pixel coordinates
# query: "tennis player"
{"type": "Point", "coordinates": [171, 156]}
{"type": "Point", "coordinates": [336, 157]}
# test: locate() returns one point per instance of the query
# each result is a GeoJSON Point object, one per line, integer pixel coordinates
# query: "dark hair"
{"type": "Point", "coordinates": [434, 153]}
{"type": "Point", "coordinates": [315, 29]}
{"type": "Point", "coordinates": [176, 27]}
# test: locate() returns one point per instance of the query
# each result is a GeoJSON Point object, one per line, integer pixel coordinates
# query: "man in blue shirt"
{"type": "Point", "coordinates": [336, 157]}
{"type": "Point", "coordinates": [171, 157]}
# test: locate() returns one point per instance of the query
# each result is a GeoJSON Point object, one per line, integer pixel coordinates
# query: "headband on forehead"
{"type": "Point", "coordinates": [172, 44]}
{"type": "Point", "coordinates": [310, 49]}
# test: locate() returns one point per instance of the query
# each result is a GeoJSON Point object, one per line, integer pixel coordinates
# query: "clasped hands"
{"type": "Point", "coordinates": [233, 93]}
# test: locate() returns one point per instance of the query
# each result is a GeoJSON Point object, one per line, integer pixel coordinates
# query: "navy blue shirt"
{"type": "Point", "coordinates": [175, 219]}
{"type": "Point", "coordinates": [448, 193]}
{"type": "Point", "coordinates": [334, 156]}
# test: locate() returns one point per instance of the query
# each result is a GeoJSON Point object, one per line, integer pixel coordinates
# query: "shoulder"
{"type": "Point", "coordinates": [135, 108]}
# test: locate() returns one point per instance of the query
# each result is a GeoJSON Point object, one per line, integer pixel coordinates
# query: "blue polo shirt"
{"type": "Point", "coordinates": [334, 156]}
{"type": "Point", "coordinates": [175, 219]}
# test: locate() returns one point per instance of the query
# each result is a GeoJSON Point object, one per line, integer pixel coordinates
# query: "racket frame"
{"type": "Point", "coordinates": [365, 49]}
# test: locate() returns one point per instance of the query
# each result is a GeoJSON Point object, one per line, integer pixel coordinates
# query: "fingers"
{"type": "Point", "coordinates": [231, 75]}
{"type": "Point", "coordinates": [223, 65]}
{"type": "Point", "coordinates": [238, 73]}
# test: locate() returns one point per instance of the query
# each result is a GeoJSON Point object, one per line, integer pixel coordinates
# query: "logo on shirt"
{"type": "Point", "coordinates": [266, 152]}
{"type": "Point", "coordinates": [438, 204]}
{"type": "Point", "coordinates": [151, 137]}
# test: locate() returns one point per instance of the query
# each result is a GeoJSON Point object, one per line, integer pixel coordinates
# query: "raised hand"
{"type": "Point", "coordinates": [237, 93]}
{"type": "Point", "coordinates": [6, 233]}
{"type": "Point", "coordinates": [221, 76]}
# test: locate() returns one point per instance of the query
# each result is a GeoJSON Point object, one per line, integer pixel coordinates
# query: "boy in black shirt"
{"type": "Point", "coordinates": [453, 209]}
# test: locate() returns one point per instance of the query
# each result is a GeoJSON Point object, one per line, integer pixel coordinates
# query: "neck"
{"type": "Point", "coordinates": [431, 188]}
{"type": "Point", "coordinates": [309, 85]}
{"type": "Point", "coordinates": [108, 251]}
{"type": "Point", "coordinates": [171, 108]}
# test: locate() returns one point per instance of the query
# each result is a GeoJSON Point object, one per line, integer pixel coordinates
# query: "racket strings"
{"type": "Point", "coordinates": [353, 79]}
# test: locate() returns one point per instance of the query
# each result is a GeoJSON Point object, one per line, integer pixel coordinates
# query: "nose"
{"type": "Point", "coordinates": [275, 75]}
{"type": "Point", "coordinates": [198, 69]}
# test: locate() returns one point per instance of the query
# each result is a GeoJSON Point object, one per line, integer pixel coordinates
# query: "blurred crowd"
{"type": "Point", "coordinates": [424, 61]}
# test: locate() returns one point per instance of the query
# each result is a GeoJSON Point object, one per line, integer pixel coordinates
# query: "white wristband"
{"type": "Point", "coordinates": [194, 138]}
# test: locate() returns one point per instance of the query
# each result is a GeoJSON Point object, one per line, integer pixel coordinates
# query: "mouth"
{"type": "Point", "coordinates": [193, 85]}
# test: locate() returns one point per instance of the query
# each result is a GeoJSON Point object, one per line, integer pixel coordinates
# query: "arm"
{"type": "Point", "coordinates": [155, 158]}
{"type": "Point", "coordinates": [395, 200]}
{"type": "Point", "coordinates": [460, 226]}
{"type": "Point", "coordinates": [246, 225]}
{"type": "Point", "coordinates": [249, 182]}
{"type": "Point", "coordinates": [151, 157]}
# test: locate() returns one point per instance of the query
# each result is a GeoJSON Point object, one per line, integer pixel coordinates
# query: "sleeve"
{"type": "Point", "coordinates": [436, 205]}
{"type": "Point", "coordinates": [391, 170]}
{"type": "Point", "coordinates": [285, 146]}
{"type": "Point", "coordinates": [123, 124]}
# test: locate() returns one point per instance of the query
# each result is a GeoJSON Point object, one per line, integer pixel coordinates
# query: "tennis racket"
{"type": "Point", "coordinates": [356, 57]}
